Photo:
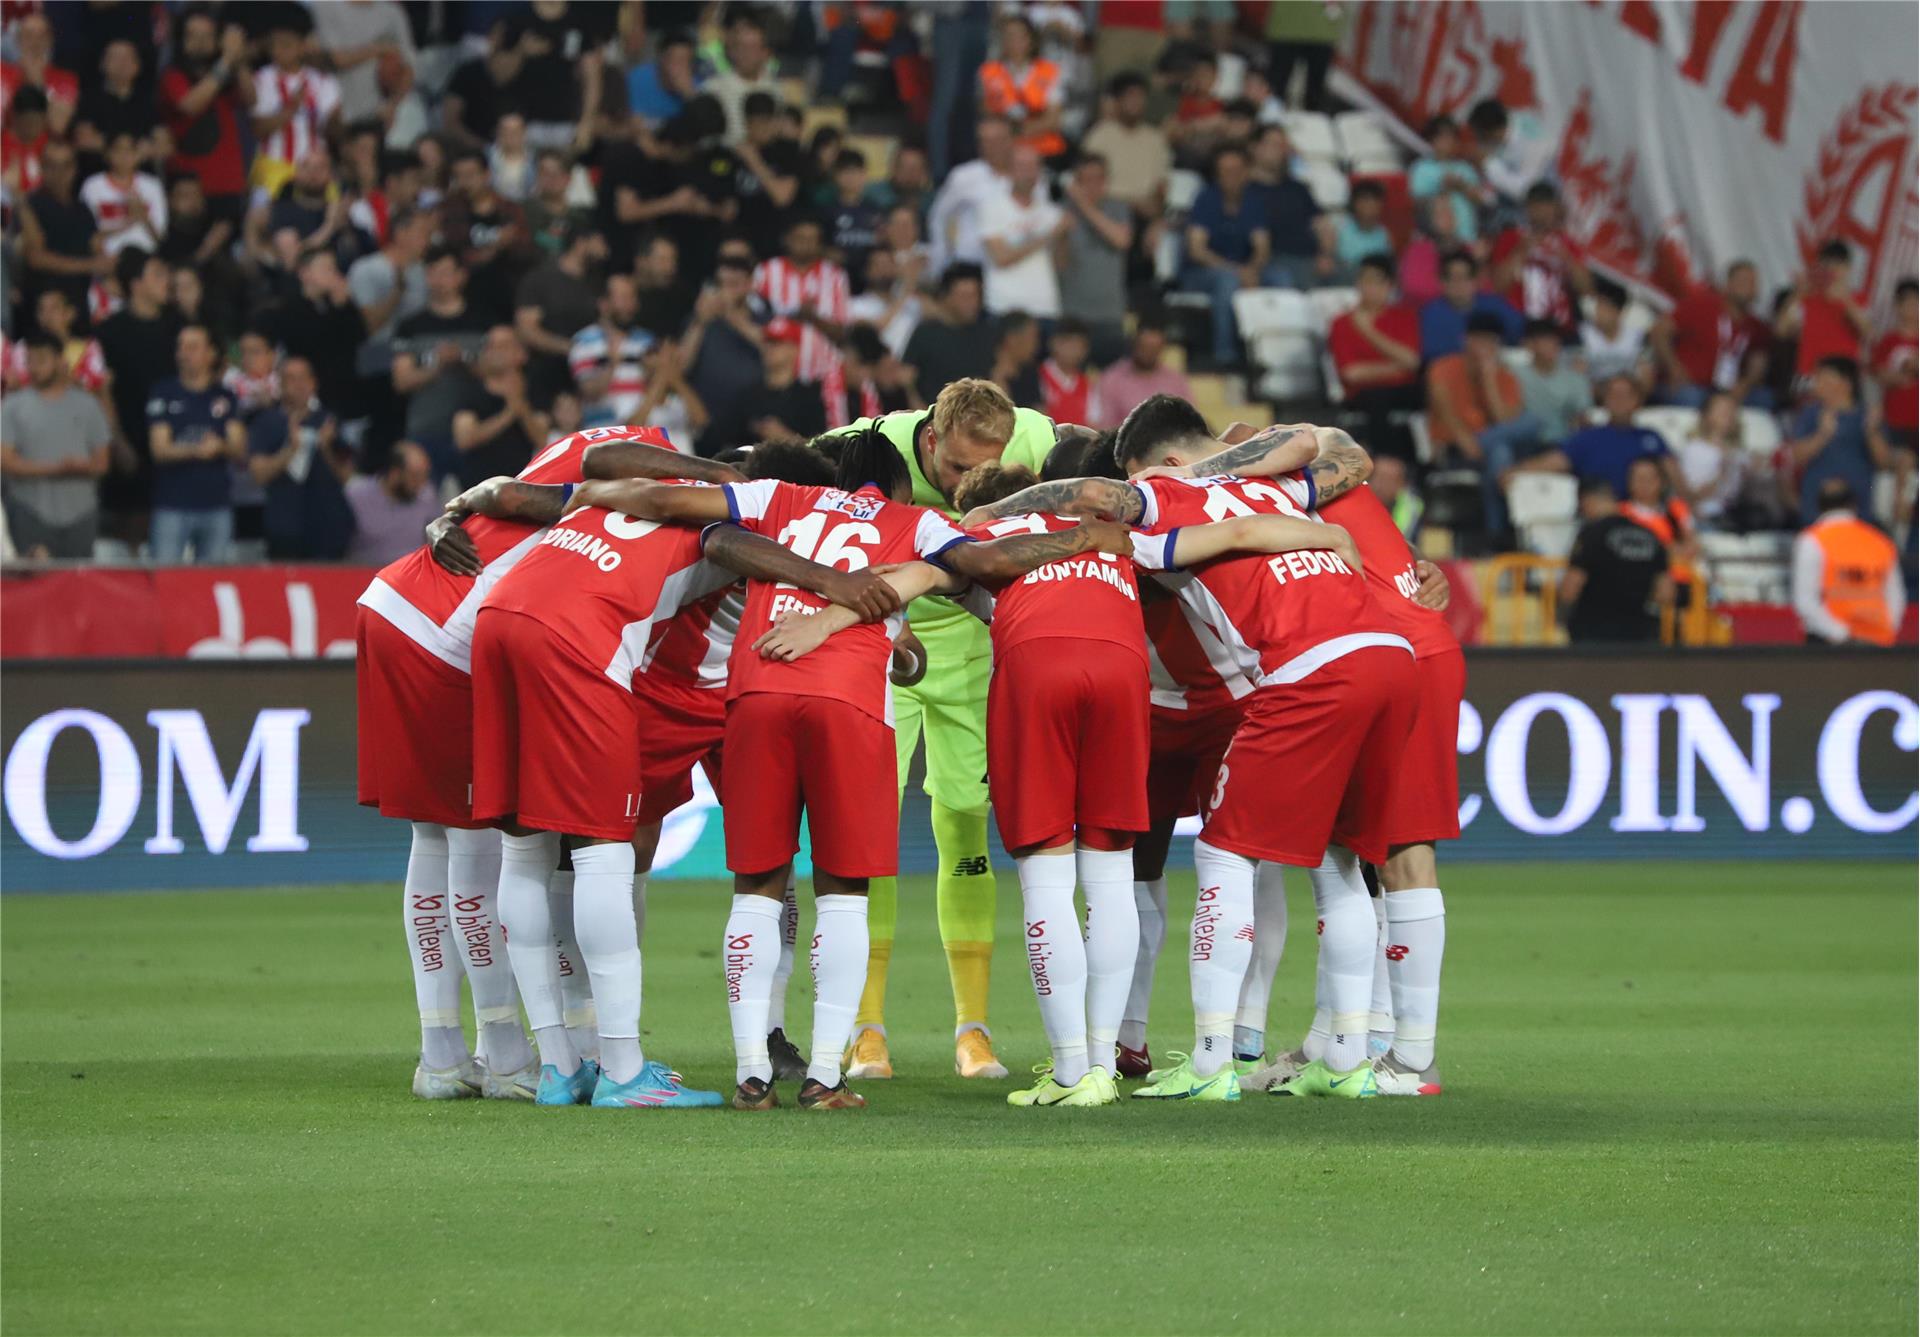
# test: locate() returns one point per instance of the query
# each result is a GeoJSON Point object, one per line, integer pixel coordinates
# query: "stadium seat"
{"type": "Point", "coordinates": [1515, 357]}
{"type": "Point", "coordinates": [1276, 311]}
{"type": "Point", "coordinates": [1182, 187]}
{"type": "Point", "coordinates": [1674, 424]}
{"type": "Point", "coordinates": [1313, 136]}
{"type": "Point", "coordinates": [1366, 141]}
{"type": "Point", "coordinates": [1759, 431]}
{"type": "Point", "coordinates": [1328, 185]}
{"type": "Point", "coordinates": [1749, 568]}
{"type": "Point", "coordinates": [1543, 507]}
{"type": "Point", "coordinates": [1331, 303]}
{"type": "Point", "coordinates": [1289, 362]}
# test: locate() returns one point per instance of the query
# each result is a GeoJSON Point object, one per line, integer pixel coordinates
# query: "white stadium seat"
{"type": "Point", "coordinates": [1331, 303]}
{"type": "Point", "coordinates": [1182, 187]}
{"type": "Point", "coordinates": [1674, 424]}
{"type": "Point", "coordinates": [1365, 139]}
{"type": "Point", "coordinates": [1261, 311]}
{"type": "Point", "coordinates": [1313, 136]}
{"type": "Point", "coordinates": [1328, 185]}
{"type": "Point", "coordinates": [1543, 507]}
{"type": "Point", "coordinates": [1759, 431]}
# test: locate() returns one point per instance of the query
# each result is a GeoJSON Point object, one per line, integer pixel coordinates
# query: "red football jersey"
{"type": "Point", "coordinates": [434, 608]}
{"type": "Point", "coordinates": [1279, 616]}
{"type": "Point", "coordinates": [1389, 564]}
{"type": "Point", "coordinates": [1094, 596]}
{"type": "Point", "coordinates": [1188, 666]}
{"type": "Point", "coordinates": [848, 530]}
{"type": "Point", "coordinates": [603, 582]}
{"type": "Point", "coordinates": [692, 647]}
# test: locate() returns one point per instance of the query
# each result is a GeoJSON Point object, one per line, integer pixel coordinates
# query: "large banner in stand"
{"type": "Point", "coordinates": [1685, 134]}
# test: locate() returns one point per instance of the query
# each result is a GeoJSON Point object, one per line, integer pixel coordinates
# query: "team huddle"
{"type": "Point", "coordinates": [1118, 631]}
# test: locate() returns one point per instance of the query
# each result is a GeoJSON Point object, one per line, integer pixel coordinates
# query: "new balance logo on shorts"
{"type": "Point", "coordinates": [974, 865]}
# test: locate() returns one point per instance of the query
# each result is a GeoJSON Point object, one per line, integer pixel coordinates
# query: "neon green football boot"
{"type": "Point", "coordinates": [1096, 1088]}
{"type": "Point", "coordinates": [1181, 1082]}
{"type": "Point", "coordinates": [1317, 1079]}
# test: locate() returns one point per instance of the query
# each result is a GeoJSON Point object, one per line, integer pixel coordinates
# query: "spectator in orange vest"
{"type": "Point", "coordinates": [1650, 505]}
{"type": "Point", "coordinates": [1024, 87]}
{"type": "Point", "coordinates": [1846, 575]}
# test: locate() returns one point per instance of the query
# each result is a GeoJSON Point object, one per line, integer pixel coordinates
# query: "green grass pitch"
{"type": "Point", "coordinates": [1682, 1099]}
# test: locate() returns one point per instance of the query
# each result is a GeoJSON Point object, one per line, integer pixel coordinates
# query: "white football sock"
{"type": "Point", "coordinates": [1380, 1013]}
{"type": "Point", "coordinates": [1269, 945]}
{"type": "Point", "coordinates": [436, 980]}
{"type": "Point", "coordinates": [603, 918]}
{"type": "Point", "coordinates": [1056, 959]}
{"type": "Point", "coordinates": [576, 991]}
{"type": "Point", "coordinates": [839, 961]}
{"type": "Point", "coordinates": [1417, 924]}
{"type": "Point", "coordinates": [1221, 944]}
{"type": "Point", "coordinates": [1320, 1029]}
{"type": "Point", "coordinates": [473, 889]}
{"type": "Point", "coordinates": [783, 972]}
{"type": "Point", "coordinates": [749, 957]}
{"type": "Point", "coordinates": [640, 903]}
{"type": "Point", "coordinates": [1150, 904]}
{"type": "Point", "coordinates": [526, 916]}
{"type": "Point", "coordinates": [1347, 936]}
{"type": "Point", "coordinates": [1113, 944]}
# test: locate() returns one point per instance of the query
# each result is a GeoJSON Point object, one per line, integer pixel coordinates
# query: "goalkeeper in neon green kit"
{"type": "Point", "coordinates": [970, 423]}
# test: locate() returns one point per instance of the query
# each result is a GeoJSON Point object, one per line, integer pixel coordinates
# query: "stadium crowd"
{"type": "Point", "coordinates": [279, 277]}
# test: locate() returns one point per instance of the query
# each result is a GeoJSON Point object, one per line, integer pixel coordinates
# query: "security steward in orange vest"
{"type": "Point", "coordinates": [1025, 88]}
{"type": "Point", "coordinates": [1847, 586]}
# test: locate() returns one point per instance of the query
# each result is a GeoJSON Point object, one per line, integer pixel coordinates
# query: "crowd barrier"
{"type": "Point", "coordinates": [208, 772]}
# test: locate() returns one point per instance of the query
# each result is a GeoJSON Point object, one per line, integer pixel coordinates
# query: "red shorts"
{"type": "Point", "coordinates": [1425, 805]}
{"type": "Point", "coordinates": [1066, 740]}
{"type": "Point", "coordinates": [556, 742]}
{"type": "Point", "coordinates": [680, 727]}
{"type": "Point", "coordinates": [1314, 761]}
{"type": "Point", "coordinates": [813, 752]}
{"type": "Point", "coordinates": [1186, 747]}
{"type": "Point", "coordinates": [415, 724]}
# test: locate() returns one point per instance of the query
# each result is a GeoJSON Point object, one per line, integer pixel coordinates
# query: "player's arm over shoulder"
{"type": "Point", "coordinates": [1085, 498]}
{"type": "Point", "coordinates": [637, 459]}
{"type": "Point", "coordinates": [651, 500]}
{"type": "Point", "coordinates": [1004, 559]}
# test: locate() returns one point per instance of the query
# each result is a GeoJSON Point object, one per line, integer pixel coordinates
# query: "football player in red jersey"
{"type": "Point", "coordinates": [1067, 762]}
{"type": "Point", "coordinates": [1307, 773]}
{"type": "Point", "coordinates": [414, 632]}
{"type": "Point", "coordinates": [1424, 804]}
{"type": "Point", "coordinates": [819, 730]}
{"type": "Point", "coordinates": [558, 645]}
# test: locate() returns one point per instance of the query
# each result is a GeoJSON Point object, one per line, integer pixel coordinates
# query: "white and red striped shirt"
{"type": "Point", "coordinates": [823, 286]}
{"type": "Point", "coordinates": [1064, 394]}
{"type": "Point", "coordinates": [845, 402]}
{"type": "Point", "coordinates": [314, 94]}
{"type": "Point", "coordinates": [111, 205]}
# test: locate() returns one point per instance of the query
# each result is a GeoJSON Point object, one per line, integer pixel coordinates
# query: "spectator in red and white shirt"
{"type": "Point", "coordinates": [1376, 351]}
{"type": "Point", "coordinates": [1712, 341]}
{"type": "Point", "coordinates": [1066, 382]}
{"type": "Point", "coordinates": [1538, 267]}
{"type": "Point", "coordinates": [605, 358]}
{"type": "Point", "coordinates": [1896, 365]}
{"type": "Point", "coordinates": [203, 94]}
{"type": "Point", "coordinates": [33, 41]}
{"type": "Point", "coordinates": [129, 206]}
{"type": "Point", "coordinates": [869, 382]}
{"type": "Point", "coordinates": [1824, 312]}
{"type": "Point", "coordinates": [810, 290]}
{"type": "Point", "coordinates": [295, 105]}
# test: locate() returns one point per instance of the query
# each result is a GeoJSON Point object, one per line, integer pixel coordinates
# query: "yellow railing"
{"type": "Point", "coordinates": [1520, 592]}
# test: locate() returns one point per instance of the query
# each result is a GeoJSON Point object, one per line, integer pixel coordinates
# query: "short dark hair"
{"type": "Point", "coordinates": [732, 262]}
{"type": "Point", "coordinates": [1841, 366]}
{"type": "Point", "coordinates": [1835, 494]}
{"type": "Point", "coordinates": [395, 161]}
{"type": "Point", "coordinates": [1241, 107]}
{"type": "Point", "coordinates": [1537, 328]}
{"type": "Point", "coordinates": [1013, 322]}
{"type": "Point", "coordinates": [438, 252]}
{"type": "Point", "coordinates": [1440, 124]}
{"type": "Point", "coordinates": [130, 264]}
{"type": "Point", "coordinates": [1459, 257]}
{"type": "Point", "coordinates": [1070, 327]}
{"type": "Point", "coordinates": [1231, 148]}
{"type": "Point", "coordinates": [461, 155]}
{"type": "Point", "coordinates": [1486, 322]}
{"type": "Point", "coordinates": [1837, 250]}
{"type": "Point", "coordinates": [1594, 485]}
{"type": "Point", "coordinates": [28, 101]}
{"type": "Point", "coordinates": [41, 339]}
{"type": "Point", "coordinates": [1543, 192]}
{"type": "Point", "coordinates": [749, 15]}
{"type": "Point", "coordinates": [1606, 290]}
{"type": "Point", "coordinates": [759, 104]}
{"type": "Point", "coordinates": [789, 462]}
{"type": "Point", "coordinates": [865, 343]}
{"type": "Point", "coordinates": [1152, 318]}
{"type": "Point", "coordinates": [676, 37]}
{"type": "Point", "coordinates": [1367, 190]}
{"type": "Point", "coordinates": [1125, 82]}
{"type": "Point", "coordinates": [1380, 263]}
{"type": "Point", "coordinates": [1158, 421]}
{"type": "Point", "coordinates": [849, 158]}
{"type": "Point", "coordinates": [1906, 288]}
{"type": "Point", "coordinates": [1487, 117]}
{"type": "Point", "coordinates": [959, 272]}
